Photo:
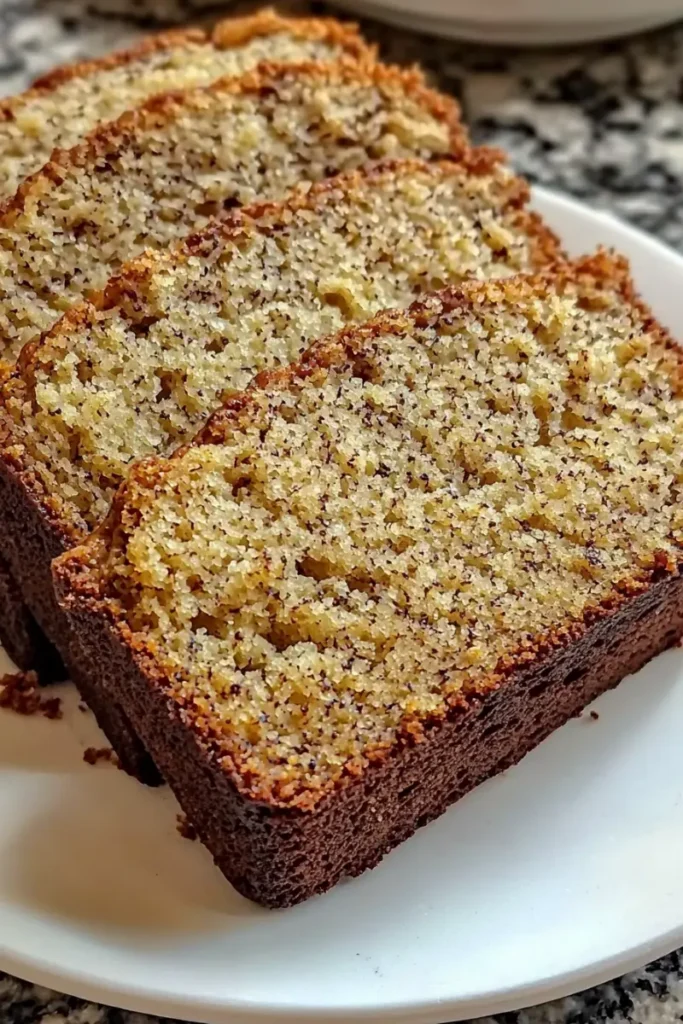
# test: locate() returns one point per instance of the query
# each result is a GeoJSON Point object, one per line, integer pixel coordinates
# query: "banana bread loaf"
{"type": "Point", "coordinates": [70, 102]}
{"type": "Point", "coordinates": [167, 167]}
{"type": "Point", "coordinates": [163, 170]}
{"type": "Point", "coordinates": [389, 571]}
{"type": "Point", "coordinates": [139, 372]}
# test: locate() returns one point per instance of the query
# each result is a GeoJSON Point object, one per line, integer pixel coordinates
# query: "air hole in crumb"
{"type": "Point", "coordinates": [407, 791]}
{"type": "Point", "coordinates": [209, 208]}
{"type": "Point", "coordinates": [575, 674]}
{"type": "Point", "coordinates": [140, 327]}
{"type": "Point", "coordinates": [492, 729]}
{"type": "Point", "coordinates": [213, 624]}
{"type": "Point", "coordinates": [541, 685]}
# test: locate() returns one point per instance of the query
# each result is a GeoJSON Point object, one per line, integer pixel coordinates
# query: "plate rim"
{"type": "Point", "coordinates": [149, 1000]}
{"type": "Point", "coordinates": [510, 1000]}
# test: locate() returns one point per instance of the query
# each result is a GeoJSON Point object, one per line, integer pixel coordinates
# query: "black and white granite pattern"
{"type": "Point", "coordinates": [604, 123]}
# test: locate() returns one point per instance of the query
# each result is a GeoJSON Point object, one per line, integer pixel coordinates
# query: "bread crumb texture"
{"type": "Point", "coordinates": [178, 333]}
{"type": "Point", "coordinates": [164, 171]}
{"type": "Point", "coordinates": [70, 103]}
{"type": "Point", "coordinates": [428, 496]}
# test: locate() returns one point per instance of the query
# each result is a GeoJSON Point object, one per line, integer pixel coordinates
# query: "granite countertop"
{"type": "Point", "coordinates": [604, 123]}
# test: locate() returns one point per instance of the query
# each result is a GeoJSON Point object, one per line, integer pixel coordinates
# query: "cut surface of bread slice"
{"type": "Point", "coordinates": [70, 102]}
{"type": "Point", "coordinates": [393, 568]}
{"type": "Point", "coordinates": [139, 373]}
{"type": "Point", "coordinates": [165, 169]}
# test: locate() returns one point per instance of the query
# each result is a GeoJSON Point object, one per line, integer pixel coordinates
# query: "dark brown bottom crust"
{"type": "Point", "coordinates": [27, 549]}
{"type": "Point", "coordinates": [280, 857]}
{"type": "Point", "coordinates": [22, 637]}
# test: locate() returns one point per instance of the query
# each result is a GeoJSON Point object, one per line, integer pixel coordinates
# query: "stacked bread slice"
{"type": "Point", "coordinates": [64, 106]}
{"type": "Point", "coordinates": [438, 489]}
{"type": "Point", "coordinates": [165, 167]}
{"type": "Point", "coordinates": [168, 167]}
{"type": "Point", "coordinates": [139, 370]}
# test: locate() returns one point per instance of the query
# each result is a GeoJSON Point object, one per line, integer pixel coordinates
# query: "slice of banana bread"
{"type": "Point", "coordinates": [68, 103]}
{"type": "Point", "coordinates": [139, 373]}
{"type": "Point", "coordinates": [165, 169]}
{"type": "Point", "coordinates": [394, 568]}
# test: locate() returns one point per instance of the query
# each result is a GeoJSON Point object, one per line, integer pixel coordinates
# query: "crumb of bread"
{"type": "Point", "coordinates": [20, 692]}
{"type": "Point", "coordinates": [185, 827]}
{"type": "Point", "coordinates": [95, 755]}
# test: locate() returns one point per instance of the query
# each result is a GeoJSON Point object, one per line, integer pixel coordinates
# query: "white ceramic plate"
{"type": "Point", "coordinates": [562, 873]}
{"type": "Point", "coordinates": [523, 22]}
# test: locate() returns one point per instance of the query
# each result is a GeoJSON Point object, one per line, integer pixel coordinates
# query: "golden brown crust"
{"type": "Point", "coordinates": [77, 570]}
{"type": "Point", "coordinates": [83, 69]}
{"type": "Point", "coordinates": [74, 319]}
{"type": "Point", "coordinates": [226, 34]}
{"type": "Point", "coordinates": [108, 140]}
{"type": "Point", "coordinates": [345, 34]}
{"type": "Point", "coordinates": [546, 248]}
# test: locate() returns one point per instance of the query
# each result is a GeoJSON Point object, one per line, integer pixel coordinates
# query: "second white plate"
{"type": "Point", "coordinates": [522, 22]}
{"type": "Point", "coordinates": [561, 873]}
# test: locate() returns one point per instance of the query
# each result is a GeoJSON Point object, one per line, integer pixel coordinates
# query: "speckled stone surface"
{"type": "Point", "coordinates": [604, 123]}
